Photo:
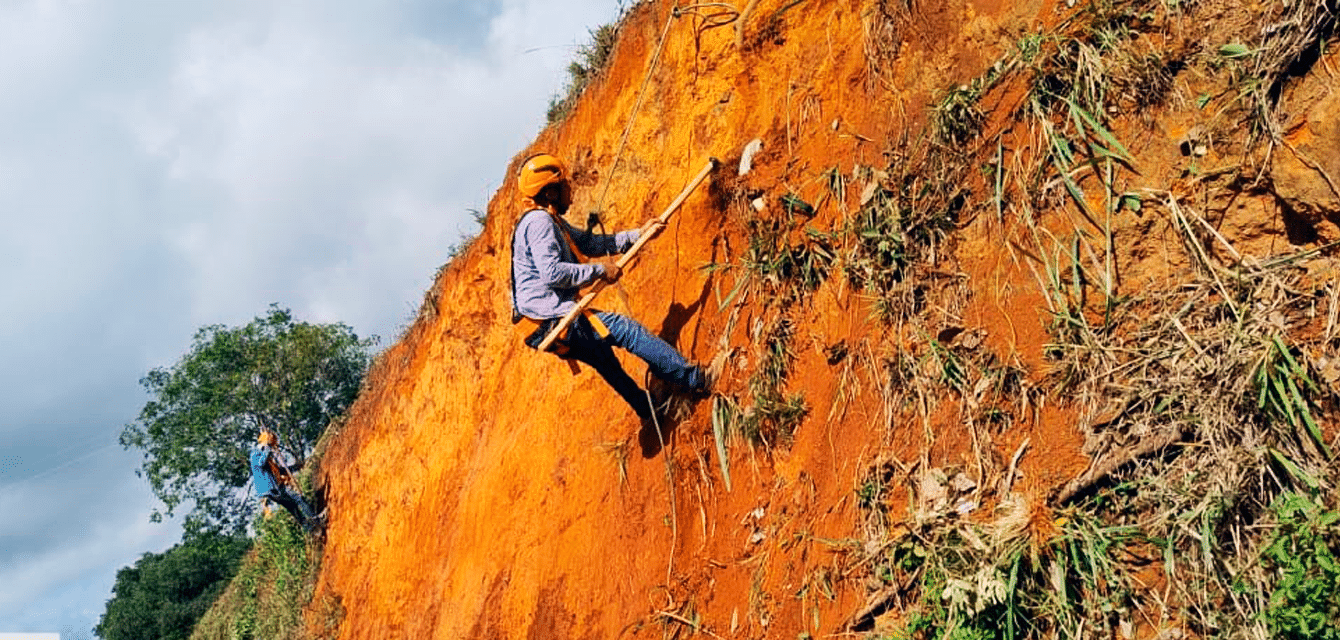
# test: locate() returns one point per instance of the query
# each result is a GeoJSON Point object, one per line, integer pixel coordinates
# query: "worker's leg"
{"type": "Point", "coordinates": [294, 504]}
{"type": "Point", "coordinates": [664, 362]}
{"type": "Point", "coordinates": [585, 346]}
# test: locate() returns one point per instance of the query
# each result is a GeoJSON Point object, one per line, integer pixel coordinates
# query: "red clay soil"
{"type": "Point", "coordinates": [481, 490]}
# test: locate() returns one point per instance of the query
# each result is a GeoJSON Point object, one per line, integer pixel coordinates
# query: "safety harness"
{"type": "Point", "coordinates": [535, 331]}
{"type": "Point", "coordinates": [279, 473]}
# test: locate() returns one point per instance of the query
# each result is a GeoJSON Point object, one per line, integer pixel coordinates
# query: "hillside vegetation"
{"type": "Point", "coordinates": [1028, 312]}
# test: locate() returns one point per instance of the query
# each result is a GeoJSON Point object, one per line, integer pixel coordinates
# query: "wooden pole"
{"type": "Point", "coordinates": [627, 257]}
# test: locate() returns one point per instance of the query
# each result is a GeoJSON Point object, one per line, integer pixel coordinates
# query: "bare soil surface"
{"type": "Point", "coordinates": [481, 490]}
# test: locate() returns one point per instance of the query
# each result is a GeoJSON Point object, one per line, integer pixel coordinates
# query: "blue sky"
{"type": "Point", "coordinates": [166, 165]}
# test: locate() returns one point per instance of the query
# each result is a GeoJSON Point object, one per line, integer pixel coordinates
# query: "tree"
{"type": "Point", "coordinates": [205, 411]}
{"type": "Point", "coordinates": [163, 595]}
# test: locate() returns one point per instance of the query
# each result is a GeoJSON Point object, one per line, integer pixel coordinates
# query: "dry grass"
{"type": "Point", "coordinates": [885, 24]}
{"type": "Point", "coordinates": [1201, 402]}
{"type": "Point", "coordinates": [1292, 38]}
{"type": "Point", "coordinates": [589, 64]}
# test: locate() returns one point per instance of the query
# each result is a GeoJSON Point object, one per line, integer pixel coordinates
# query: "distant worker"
{"type": "Point", "coordinates": [275, 483]}
{"type": "Point", "coordinates": [549, 267]}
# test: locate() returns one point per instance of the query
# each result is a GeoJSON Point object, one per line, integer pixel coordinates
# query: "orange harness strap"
{"type": "Point", "coordinates": [601, 329]}
{"type": "Point", "coordinates": [529, 325]}
{"type": "Point", "coordinates": [280, 474]}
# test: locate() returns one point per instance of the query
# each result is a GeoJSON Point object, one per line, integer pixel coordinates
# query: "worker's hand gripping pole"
{"type": "Point", "coordinates": [648, 231]}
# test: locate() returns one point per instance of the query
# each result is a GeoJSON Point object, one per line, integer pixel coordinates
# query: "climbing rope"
{"type": "Point", "coordinates": [710, 21]}
{"type": "Point", "coordinates": [726, 15]}
{"type": "Point", "coordinates": [669, 479]}
{"type": "Point", "coordinates": [637, 105]}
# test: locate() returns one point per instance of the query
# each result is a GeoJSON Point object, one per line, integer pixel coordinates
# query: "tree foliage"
{"type": "Point", "coordinates": [205, 411]}
{"type": "Point", "coordinates": [163, 595]}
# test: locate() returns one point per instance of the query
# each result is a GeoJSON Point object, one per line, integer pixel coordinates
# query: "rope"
{"type": "Point", "coordinates": [727, 14]}
{"type": "Point", "coordinates": [641, 93]}
{"type": "Point", "coordinates": [669, 480]}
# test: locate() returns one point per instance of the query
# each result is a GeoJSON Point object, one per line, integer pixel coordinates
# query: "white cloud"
{"type": "Point", "coordinates": [62, 539]}
{"type": "Point", "coordinates": [165, 165]}
{"type": "Point", "coordinates": [302, 139]}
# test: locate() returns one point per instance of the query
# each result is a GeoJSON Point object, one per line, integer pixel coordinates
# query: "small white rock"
{"type": "Point", "coordinates": [747, 158]}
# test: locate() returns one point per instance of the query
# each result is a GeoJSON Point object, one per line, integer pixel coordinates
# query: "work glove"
{"type": "Point", "coordinates": [612, 272]}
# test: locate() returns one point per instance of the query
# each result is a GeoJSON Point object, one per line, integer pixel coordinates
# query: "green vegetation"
{"type": "Point", "coordinates": [772, 416]}
{"type": "Point", "coordinates": [912, 208]}
{"type": "Point", "coordinates": [1304, 553]}
{"type": "Point", "coordinates": [292, 377]}
{"type": "Point", "coordinates": [162, 595]}
{"type": "Point", "coordinates": [273, 586]}
{"type": "Point", "coordinates": [468, 238]}
{"type": "Point", "coordinates": [591, 60]}
{"type": "Point", "coordinates": [1200, 401]}
{"type": "Point", "coordinates": [205, 411]}
{"type": "Point", "coordinates": [789, 269]}
{"type": "Point", "coordinates": [995, 582]}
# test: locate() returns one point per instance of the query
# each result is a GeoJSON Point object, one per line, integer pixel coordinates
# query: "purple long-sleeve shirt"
{"type": "Point", "coordinates": [546, 274]}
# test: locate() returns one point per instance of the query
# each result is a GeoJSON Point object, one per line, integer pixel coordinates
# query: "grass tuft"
{"type": "Point", "coordinates": [271, 590]}
{"type": "Point", "coordinates": [591, 61]}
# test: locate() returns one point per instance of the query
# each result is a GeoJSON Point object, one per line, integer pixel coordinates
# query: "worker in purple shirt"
{"type": "Point", "coordinates": [549, 268]}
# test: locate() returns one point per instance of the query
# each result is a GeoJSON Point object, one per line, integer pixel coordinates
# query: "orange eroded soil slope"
{"type": "Point", "coordinates": [481, 490]}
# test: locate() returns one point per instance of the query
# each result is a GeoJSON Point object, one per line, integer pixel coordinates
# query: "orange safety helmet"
{"type": "Point", "coordinates": [267, 437]}
{"type": "Point", "coordinates": [538, 172]}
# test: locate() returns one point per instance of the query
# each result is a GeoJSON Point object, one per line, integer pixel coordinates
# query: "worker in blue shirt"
{"type": "Point", "coordinates": [274, 481]}
{"type": "Point", "coordinates": [549, 268]}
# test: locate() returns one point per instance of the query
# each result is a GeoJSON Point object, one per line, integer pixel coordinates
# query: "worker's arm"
{"type": "Point", "coordinates": [595, 245]}
{"type": "Point", "coordinates": [543, 242]}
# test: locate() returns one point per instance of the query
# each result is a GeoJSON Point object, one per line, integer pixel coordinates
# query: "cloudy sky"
{"type": "Point", "coordinates": [166, 165]}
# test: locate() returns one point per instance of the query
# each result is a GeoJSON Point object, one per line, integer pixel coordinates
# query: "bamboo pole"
{"type": "Point", "coordinates": [628, 256]}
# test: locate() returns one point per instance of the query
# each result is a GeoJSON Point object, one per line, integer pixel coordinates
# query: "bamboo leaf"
{"type": "Point", "coordinates": [1078, 195]}
{"type": "Point", "coordinates": [739, 285]}
{"type": "Point", "coordinates": [1297, 369]}
{"type": "Point", "coordinates": [1061, 148]}
{"type": "Point", "coordinates": [1131, 201]}
{"type": "Point", "coordinates": [1282, 399]}
{"type": "Point", "coordinates": [721, 414]}
{"type": "Point", "coordinates": [1312, 429]}
{"type": "Point", "coordinates": [1294, 470]}
{"type": "Point", "coordinates": [1102, 132]}
{"type": "Point", "coordinates": [1076, 275]}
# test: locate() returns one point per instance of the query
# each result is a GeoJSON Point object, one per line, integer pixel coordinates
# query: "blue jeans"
{"type": "Point", "coordinates": [584, 345]}
{"type": "Point", "coordinates": [293, 503]}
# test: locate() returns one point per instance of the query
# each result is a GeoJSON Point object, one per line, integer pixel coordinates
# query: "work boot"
{"type": "Point", "coordinates": [707, 377]}
{"type": "Point", "coordinates": [316, 525]}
